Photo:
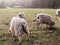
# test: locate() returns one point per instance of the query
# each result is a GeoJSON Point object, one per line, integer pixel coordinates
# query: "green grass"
{"type": "Point", "coordinates": [40, 36]}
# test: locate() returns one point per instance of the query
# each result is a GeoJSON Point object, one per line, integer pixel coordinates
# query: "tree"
{"type": "Point", "coordinates": [46, 3]}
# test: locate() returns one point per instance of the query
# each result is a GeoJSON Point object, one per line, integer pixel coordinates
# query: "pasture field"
{"type": "Point", "coordinates": [37, 36]}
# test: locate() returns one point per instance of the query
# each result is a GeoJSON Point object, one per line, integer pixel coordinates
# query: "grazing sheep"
{"type": "Point", "coordinates": [58, 14]}
{"type": "Point", "coordinates": [45, 19]}
{"type": "Point", "coordinates": [19, 25]}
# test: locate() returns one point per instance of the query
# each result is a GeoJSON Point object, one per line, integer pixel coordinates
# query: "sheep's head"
{"type": "Point", "coordinates": [52, 23]}
{"type": "Point", "coordinates": [22, 15]}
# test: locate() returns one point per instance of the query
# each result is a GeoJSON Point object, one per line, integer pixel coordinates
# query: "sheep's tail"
{"type": "Point", "coordinates": [24, 29]}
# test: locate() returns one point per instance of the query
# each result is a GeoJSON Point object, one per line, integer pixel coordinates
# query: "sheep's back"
{"type": "Point", "coordinates": [45, 18]}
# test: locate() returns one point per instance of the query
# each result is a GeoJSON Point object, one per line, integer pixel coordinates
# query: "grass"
{"type": "Point", "coordinates": [37, 36]}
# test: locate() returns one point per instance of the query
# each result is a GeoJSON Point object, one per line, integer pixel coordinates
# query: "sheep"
{"type": "Point", "coordinates": [45, 19]}
{"type": "Point", "coordinates": [21, 15]}
{"type": "Point", "coordinates": [58, 14]}
{"type": "Point", "coordinates": [19, 25]}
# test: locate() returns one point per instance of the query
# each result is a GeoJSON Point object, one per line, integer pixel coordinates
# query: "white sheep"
{"type": "Point", "coordinates": [21, 15]}
{"type": "Point", "coordinates": [18, 25]}
{"type": "Point", "coordinates": [58, 14]}
{"type": "Point", "coordinates": [45, 19]}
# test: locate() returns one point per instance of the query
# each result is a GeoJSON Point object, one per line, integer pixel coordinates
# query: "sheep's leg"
{"type": "Point", "coordinates": [20, 40]}
{"type": "Point", "coordinates": [26, 31]}
{"type": "Point", "coordinates": [50, 27]}
{"type": "Point", "coordinates": [38, 25]}
{"type": "Point", "coordinates": [27, 36]}
{"type": "Point", "coordinates": [13, 34]}
{"type": "Point", "coordinates": [34, 25]}
{"type": "Point", "coordinates": [46, 26]}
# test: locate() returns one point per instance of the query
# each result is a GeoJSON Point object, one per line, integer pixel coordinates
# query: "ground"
{"type": "Point", "coordinates": [37, 36]}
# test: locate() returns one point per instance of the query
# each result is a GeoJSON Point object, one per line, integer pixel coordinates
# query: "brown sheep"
{"type": "Point", "coordinates": [45, 19]}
